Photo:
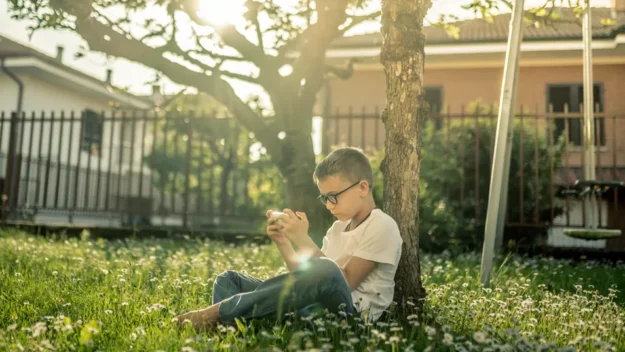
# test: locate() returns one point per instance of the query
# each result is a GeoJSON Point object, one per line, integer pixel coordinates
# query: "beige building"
{"type": "Point", "coordinates": [460, 72]}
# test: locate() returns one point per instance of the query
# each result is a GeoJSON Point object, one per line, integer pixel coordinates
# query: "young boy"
{"type": "Point", "coordinates": [353, 271]}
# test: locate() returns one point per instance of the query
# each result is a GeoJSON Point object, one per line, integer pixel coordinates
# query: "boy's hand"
{"type": "Point", "coordinates": [295, 225]}
{"type": "Point", "coordinates": [274, 230]}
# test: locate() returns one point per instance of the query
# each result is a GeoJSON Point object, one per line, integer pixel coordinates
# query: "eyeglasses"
{"type": "Point", "coordinates": [332, 198]}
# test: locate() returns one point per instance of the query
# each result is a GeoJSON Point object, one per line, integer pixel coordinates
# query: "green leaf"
{"type": "Point", "coordinates": [241, 326]}
{"type": "Point", "coordinates": [88, 331]}
{"type": "Point", "coordinates": [608, 22]}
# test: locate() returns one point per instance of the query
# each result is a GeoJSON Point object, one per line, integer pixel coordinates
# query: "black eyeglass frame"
{"type": "Point", "coordinates": [333, 198]}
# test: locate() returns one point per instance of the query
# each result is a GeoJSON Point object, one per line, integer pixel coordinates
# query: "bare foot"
{"type": "Point", "coordinates": [199, 320]}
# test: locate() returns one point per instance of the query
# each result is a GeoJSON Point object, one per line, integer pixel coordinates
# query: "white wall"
{"type": "Point", "coordinates": [41, 96]}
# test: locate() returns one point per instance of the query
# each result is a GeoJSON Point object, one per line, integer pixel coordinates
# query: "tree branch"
{"type": "Point", "coordinates": [356, 20]}
{"type": "Point", "coordinates": [104, 39]}
{"type": "Point", "coordinates": [311, 61]}
{"type": "Point", "coordinates": [253, 8]}
{"type": "Point", "coordinates": [342, 73]}
{"type": "Point", "coordinates": [233, 38]}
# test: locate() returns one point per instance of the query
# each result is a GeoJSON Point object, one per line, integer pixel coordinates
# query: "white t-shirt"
{"type": "Point", "coordinates": [376, 239]}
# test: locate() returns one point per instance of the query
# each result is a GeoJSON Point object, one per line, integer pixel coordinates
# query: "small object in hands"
{"type": "Point", "coordinates": [277, 215]}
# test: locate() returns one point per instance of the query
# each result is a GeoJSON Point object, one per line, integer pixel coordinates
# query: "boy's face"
{"type": "Point", "coordinates": [348, 202]}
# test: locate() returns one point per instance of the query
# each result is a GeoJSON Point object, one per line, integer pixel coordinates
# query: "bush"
{"type": "Point", "coordinates": [451, 216]}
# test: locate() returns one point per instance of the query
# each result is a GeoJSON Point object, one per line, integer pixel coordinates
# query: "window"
{"type": "Point", "coordinates": [561, 95]}
{"type": "Point", "coordinates": [434, 97]}
{"type": "Point", "coordinates": [91, 132]}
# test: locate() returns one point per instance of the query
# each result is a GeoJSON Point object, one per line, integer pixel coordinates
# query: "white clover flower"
{"type": "Point", "coordinates": [39, 329]}
{"type": "Point", "coordinates": [124, 304]}
{"type": "Point", "coordinates": [11, 327]}
{"type": "Point", "coordinates": [47, 344]}
{"type": "Point", "coordinates": [448, 339]}
{"type": "Point", "coordinates": [26, 303]}
{"type": "Point", "coordinates": [133, 336]}
{"type": "Point", "coordinates": [55, 273]}
{"type": "Point", "coordinates": [108, 312]}
{"type": "Point", "coordinates": [479, 337]}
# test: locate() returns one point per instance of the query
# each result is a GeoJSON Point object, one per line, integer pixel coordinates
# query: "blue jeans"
{"type": "Point", "coordinates": [314, 285]}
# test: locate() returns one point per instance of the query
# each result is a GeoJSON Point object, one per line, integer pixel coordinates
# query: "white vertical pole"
{"type": "Point", "coordinates": [501, 162]}
{"type": "Point", "coordinates": [590, 202]}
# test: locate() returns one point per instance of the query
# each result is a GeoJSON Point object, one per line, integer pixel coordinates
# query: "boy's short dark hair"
{"type": "Point", "coordinates": [350, 163]}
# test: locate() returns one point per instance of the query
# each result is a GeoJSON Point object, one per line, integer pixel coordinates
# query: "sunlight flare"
{"type": "Point", "coordinates": [221, 13]}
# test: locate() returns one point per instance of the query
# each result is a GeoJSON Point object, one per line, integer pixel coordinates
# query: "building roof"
{"type": "Point", "coordinates": [481, 31]}
{"type": "Point", "coordinates": [10, 49]}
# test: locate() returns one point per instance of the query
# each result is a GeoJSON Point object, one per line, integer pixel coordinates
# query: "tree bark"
{"type": "Point", "coordinates": [297, 164]}
{"type": "Point", "coordinates": [403, 59]}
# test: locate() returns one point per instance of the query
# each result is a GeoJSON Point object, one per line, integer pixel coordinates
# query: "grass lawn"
{"type": "Point", "coordinates": [72, 294]}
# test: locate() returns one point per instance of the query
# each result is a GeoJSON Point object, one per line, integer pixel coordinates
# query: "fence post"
{"type": "Point", "coordinates": [12, 167]}
{"type": "Point", "coordinates": [187, 174]}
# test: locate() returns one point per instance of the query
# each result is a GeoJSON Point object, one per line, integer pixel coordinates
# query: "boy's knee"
{"type": "Point", "coordinates": [227, 275]}
{"type": "Point", "coordinates": [324, 268]}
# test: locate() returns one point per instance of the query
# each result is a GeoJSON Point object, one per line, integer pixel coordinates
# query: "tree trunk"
{"type": "Point", "coordinates": [403, 58]}
{"type": "Point", "coordinates": [297, 166]}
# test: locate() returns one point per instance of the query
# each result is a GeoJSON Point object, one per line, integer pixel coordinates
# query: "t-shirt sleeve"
{"type": "Point", "coordinates": [324, 247]}
{"type": "Point", "coordinates": [326, 240]}
{"type": "Point", "coordinates": [381, 242]}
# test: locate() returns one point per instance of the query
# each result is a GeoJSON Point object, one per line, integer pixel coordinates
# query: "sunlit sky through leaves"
{"type": "Point", "coordinates": [134, 76]}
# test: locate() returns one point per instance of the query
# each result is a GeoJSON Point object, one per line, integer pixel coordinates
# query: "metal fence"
{"type": "Point", "coordinates": [127, 168]}
{"type": "Point", "coordinates": [139, 168]}
{"type": "Point", "coordinates": [558, 134]}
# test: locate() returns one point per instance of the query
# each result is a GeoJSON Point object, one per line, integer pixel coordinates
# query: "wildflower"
{"type": "Point", "coordinates": [39, 329]}
{"type": "Point", "coordinates": [108, 311]}
{"type": "Point", "coordinates": [55, 273]}
{"type": "Point", "coordinates": [140, 330]}
{"type": "Point", "coordinates": [479, 337]}
{"type": "Point", "coordinates": [133, 336]}
{"type": "Point", "coordinates": [67, 304]}
{"type": "Point", "coordinates": [47, 344]}
{"type": "Point", "coordinates": [448, 339]}
{"type": "Point", "coordinates": [430, 331]}
{"type": "Point", "coordinates": [26, 303]}
{"type": "Point", "coordinates": [394, 339]}
{"type": "Point", "coordinates": [124, 304]}
{"type": "Point", "coordinates": [11, 327]}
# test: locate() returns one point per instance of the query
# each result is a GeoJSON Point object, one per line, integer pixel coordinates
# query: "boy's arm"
{"type": "Point", "coordinates": [355, 270]}
{"type": "Point", "coordinates": [289, 255]}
